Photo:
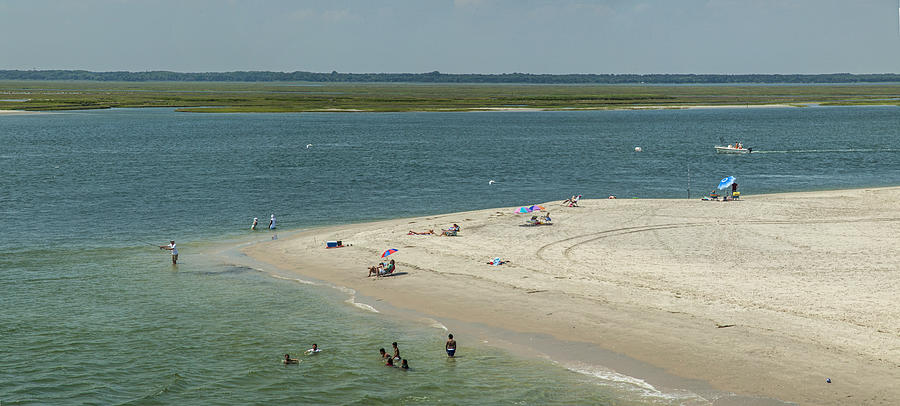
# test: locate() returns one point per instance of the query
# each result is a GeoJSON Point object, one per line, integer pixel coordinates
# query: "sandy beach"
{"type": "Point", "coordinates": [763, 297]}
{"type": "Point", "coordinates": [17, 112]}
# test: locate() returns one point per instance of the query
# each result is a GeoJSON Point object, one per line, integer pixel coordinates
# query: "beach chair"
{"type": "Point", "coordinates": [387, 271]}
{"type": "Point", "coordinates": [735, 195]}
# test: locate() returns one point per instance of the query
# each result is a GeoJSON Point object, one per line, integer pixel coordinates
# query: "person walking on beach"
{"type": "Point", "coordinates": [450, 346]}
{"type": "Point", "coordinates": [272, 222]}
{"type": "Point", "coordinates": [255, 223]}
{"type": "Point", "coordinates": [173, 248]}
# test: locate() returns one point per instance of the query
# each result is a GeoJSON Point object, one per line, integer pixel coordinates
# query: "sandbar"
{"type": "Point", "coordinates": [767, 296]}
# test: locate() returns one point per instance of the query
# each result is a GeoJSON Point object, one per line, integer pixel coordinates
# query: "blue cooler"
{"type": "Point", "coordinates": [331, 244]}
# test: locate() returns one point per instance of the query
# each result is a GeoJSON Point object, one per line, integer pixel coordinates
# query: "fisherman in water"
{"type": "Point", "coordinates": [171, 247]}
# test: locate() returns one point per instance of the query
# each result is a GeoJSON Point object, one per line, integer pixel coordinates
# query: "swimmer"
{"type": "Point", "coordinates": [389, 363]}
{"type": "Point", "coordinates": [384, 354]}
{"type": "Point", "coordinates": [396, 351]}
{"type": "Point", "coordinates": [450, 346]}
{"type": "Point", "coordinates": [313, 350]}
{"type": "Point", "coordinates": [289, 360]}
{"type": "Point", "coordinates": [404, 364]}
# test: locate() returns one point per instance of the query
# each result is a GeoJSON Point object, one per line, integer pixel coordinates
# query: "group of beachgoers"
{"type": "Point", "coordinates": [390, 360]}
{"type": "Point", "coordinates": [393, 360]}
{"type": "Point", "coordinates": [312, 351]}
{"type": "Point", "coordinates": [255, 223]}
{"type": "Point", "coordinates": [714, 195]}
{"type": "Point", "coordinates": [451, 231]}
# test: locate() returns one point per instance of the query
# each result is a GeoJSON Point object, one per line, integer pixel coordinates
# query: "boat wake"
{"type": "Point", "coordinates": [822, 151]}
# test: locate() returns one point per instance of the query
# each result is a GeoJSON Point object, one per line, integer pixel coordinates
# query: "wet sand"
{"type": "Point", "coordinates": [763, 297]}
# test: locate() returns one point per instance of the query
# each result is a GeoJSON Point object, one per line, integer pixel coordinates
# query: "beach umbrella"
{"type": "Point", "coordinates": [388, 252]}
{"type": "Point", "coordinates": [726, 182]}
{"type": "Point", "coordinates": [523, 210]}
{"type": "Point", "coordinates": [536, 208]}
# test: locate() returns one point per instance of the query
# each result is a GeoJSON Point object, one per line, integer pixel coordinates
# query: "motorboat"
{"type": "Point", "coordinates": [731, 149]}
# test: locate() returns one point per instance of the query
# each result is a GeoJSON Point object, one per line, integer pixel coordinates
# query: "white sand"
{"type": "Point", "coordinates": [17, 112]}
{"type": "Point", "coordinates": [767, 296]}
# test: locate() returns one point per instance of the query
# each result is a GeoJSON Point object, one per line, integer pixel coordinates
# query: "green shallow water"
{"type": "Point", "coordinates": [93, 314]}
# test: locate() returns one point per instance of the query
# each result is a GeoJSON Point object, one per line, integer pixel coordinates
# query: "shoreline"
{"type": "Point", "coordinates": [752, 333]}
{"type": "Point", "coordinates": [228, 110]}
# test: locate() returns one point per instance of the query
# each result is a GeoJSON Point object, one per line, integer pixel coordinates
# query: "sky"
{"type": "Point", "coordinates": [453, 36]}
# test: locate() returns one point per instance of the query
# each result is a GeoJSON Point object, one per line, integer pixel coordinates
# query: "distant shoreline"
{"type": "Point", "coordinates": [241, 97]}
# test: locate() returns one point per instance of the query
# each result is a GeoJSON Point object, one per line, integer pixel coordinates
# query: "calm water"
{"type": "Point", "coordinates": [94, 314]}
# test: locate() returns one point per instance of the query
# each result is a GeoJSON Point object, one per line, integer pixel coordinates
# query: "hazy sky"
{"type": "Point", "coordinates": [453, 36]}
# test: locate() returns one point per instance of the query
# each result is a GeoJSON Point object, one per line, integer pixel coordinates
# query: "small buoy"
{"type": "Point", "coordinates": [638, 149]}
{"type": "Point", "coordinates": [308, 145]}
{"type": "Point", "coordinates": [827, 380]}
{"type": "Point", "coordinates": [491, 182]}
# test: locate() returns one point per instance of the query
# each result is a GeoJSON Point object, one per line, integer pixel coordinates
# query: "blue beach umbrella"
{"type": "Point", "coordinates": [523, 210]}
{"type": "Point", "coordinates": [726, 182]}
{"type": "Point", "coordinates": [389, 252]}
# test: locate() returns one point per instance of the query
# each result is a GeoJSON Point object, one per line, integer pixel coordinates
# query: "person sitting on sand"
{"type": "Point", "coordinates": [568, 201]}
{"type": "Point", "coordinates": [313, 350]}
{"type": "Point", "coordinates": [373, 270]}
{"type": "Point", "coordinates": [387, 270]}
{"type": "Point", "coordinates": [429, 232]}
{"type": "Point", "coordinates": [451, 231]}
{"type": "Point", "coordinates": [289, 360]}
{"type": "Point", "coordinates": [404, 364]}
{"type": "Point", "coordinates": [497, 261]}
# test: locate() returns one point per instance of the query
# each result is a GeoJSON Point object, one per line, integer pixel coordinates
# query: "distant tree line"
{"type": "Point", "coordinates": [437, 77]}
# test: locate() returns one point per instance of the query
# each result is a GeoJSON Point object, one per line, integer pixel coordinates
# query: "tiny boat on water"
{"type": "Point", "coordinates": [731, 149]}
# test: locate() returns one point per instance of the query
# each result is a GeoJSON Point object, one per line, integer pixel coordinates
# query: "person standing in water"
{"type": "Point", "coordinates": [272, 222]}
{"type": "Point", "coordinates": [173, 248]}
{"type": "Point", "coordinates": [450, 346]}
{"type": "Point", "coordinates": [255, 223]}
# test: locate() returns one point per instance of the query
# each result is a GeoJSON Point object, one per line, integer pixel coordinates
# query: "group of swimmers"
{"type": "Point", "coordinates": [390, 360]}
{"type": "Point", "coordinates": [312, 351]}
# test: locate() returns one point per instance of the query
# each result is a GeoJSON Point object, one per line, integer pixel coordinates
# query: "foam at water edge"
{"type": "Point", "coordinates": [638, 386]}
{"type": "Point", "coordinates": [352, 300]}
{"type": "Point", "coordinates": [305, 282]}
{"type": "Point", "coordinates": [436, 324]}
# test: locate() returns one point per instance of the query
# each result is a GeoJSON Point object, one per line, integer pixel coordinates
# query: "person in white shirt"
{"type": "Point", "coordinates": [173, 248]}
{"type": "Point", "coordinates": [272, 222]}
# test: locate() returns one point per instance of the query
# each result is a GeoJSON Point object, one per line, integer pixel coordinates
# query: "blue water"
{"type": "Point", "coordinates": [94, 314]}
